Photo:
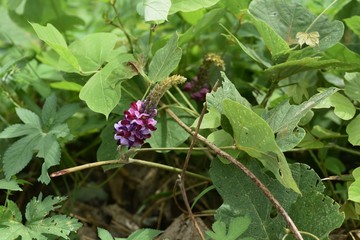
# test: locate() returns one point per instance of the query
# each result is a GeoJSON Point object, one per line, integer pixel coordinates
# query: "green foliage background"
{"type": "Point", "coordinates": [70, 68]}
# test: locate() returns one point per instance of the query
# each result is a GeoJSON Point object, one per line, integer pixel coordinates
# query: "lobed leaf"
{"type": "Point", "coordinates": [284, 119]}
{"type": "Point", "coordinates": [255, 137]}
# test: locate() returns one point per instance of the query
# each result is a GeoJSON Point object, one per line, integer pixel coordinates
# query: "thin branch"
{"type": "Point", "coordinates": [182, 176]}
{"type": "Point", "coordinates": [238, 164]}
{"type": "Point", "coordinates": [121, 161]}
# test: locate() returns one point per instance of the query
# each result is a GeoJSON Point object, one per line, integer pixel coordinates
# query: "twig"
{"type": "Point", "coordinates": [121, 161]}
{"type": "Point", "coordinates": [257, 182]}
{"type": "Point", "coordinates": [182, 176]}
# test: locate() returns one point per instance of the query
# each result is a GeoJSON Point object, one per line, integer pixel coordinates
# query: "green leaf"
{"type": "Point", "coordinates": [66, 112]}
{"type": "Point", "coordinates": [156, 10]}
{"type": "Point", "coordinates": [221, 139]}
{"type": "Point", "coordinates": [49, 149]}
{"type": "Point", "coordinates": [51, 36]}
{"type": "Point", "coordinates": [353, 24]}
{"type": "Point", "coordinates": [291, 67]}
{"type": "Point", "coordinates": [233, 231]}
{"type": "Point", "coordinates": [104, 234]}
{"type": "Point", "coordinates": [344, 108]}
{"type": "Point", "coordinates": [255, 137]}
{"type": "Point", "coordinates": [210, 19]}
{"type": "Point", "coordinates": [65, 85]}
{"type": "Point", "coordinates": [169, 133]}
{"type": "Point", "coordinates": [284, 119]}
{"type": "Point", "coordinates": [249, 51]}
{"type": "Point", "coordinates": [227, 91]}
{"type": "Point", "coordinates": [19, 154]}
{"type": "Point", "coordinates": [353, 130]}
{"type": "Point", "coordinates": [347, 59]}
{"type": "Point", "coordinates": [354, 189]}
{"type": "Point", "coordinates": [108, 148]}
{"type": "Point", "coordinates": [58, 225]}
{"type": "Point", "coordinates": [103, 90]}
{"type": "Point", "coordinates": [190, 5]}
{"type": "Point", "coordinates": [17, 130]}
{"type": "Point", "coordinates": [288, 18]}
{"type": "Point", "coordinates": [93, 50]}
{"type": "Point", "coordinates": [49, 110]}
{"type": "Point", "coordinates": [39, 208]}
{"type": "Point", "coordinates": [144, 234]}
{"type": "Point", "coordinates": [249, 201]}
{"type": "Point", "coordinates": [165, 60]}
{"type": "Point", "coordinates": [37, 226]}
{"type": "Point", "coordinates": [276, 45]}
{"type": "Point", "coordinates": [11, 185]}
{"type": "Point", "coordinates": [323, 133]}
{"type": "Point", "coordinates": [210, 120]}
{"type": "Point", "coordinates": [352, 86]}
{"type": "Point", "coordinates": [28, 117]}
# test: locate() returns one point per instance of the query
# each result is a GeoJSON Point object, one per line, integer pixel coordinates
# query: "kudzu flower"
{"type": "Point", "coordinates": [136, 125]}
{"type": "Point", "coordinates": [198, 87]}
{"type": "Point", "coordinates": [138, 121]}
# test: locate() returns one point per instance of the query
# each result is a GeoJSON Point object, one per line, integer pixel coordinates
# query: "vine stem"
{"type": "Point", "coordinates": [318, 17]}
{"type": "Point", "coordinates": [186, 163]}
{"type": "Point", "coordinates": [121, 161]}
{"type": "Point", "coordinates": [242, 167]}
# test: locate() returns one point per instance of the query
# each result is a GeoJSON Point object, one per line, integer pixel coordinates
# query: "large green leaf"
{"type": "Point", "coordinates": [93, 50]}
{"type": "Point", "coordinates": [103, 90]}
{"type": "Point", "coordinates": [353, 130]}
{"type": "Point", "coordinates": [288, 18]}
{"type": "Point", "coordinates": [284, 119]}
{"type": "Point", "coordinates": [51, 36]}
{"type": "Point", "coordinates": [190, 5]}
{"type": "Point", "coordinates": [243, 198]}
{"type": "Point", "coordinates": [255, 137]}
{"type": "Point", "coordinates": [165, 60]}
{"type": "Point", "coordinates": [154, 10]}
{"type": "Point", "coordinates": [273, 41]}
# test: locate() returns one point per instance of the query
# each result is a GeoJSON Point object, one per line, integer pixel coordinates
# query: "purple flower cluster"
{"type": "Point", "coordinates": [197, 89]}
{"type": "Point", "coordinates": [136, 126]}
